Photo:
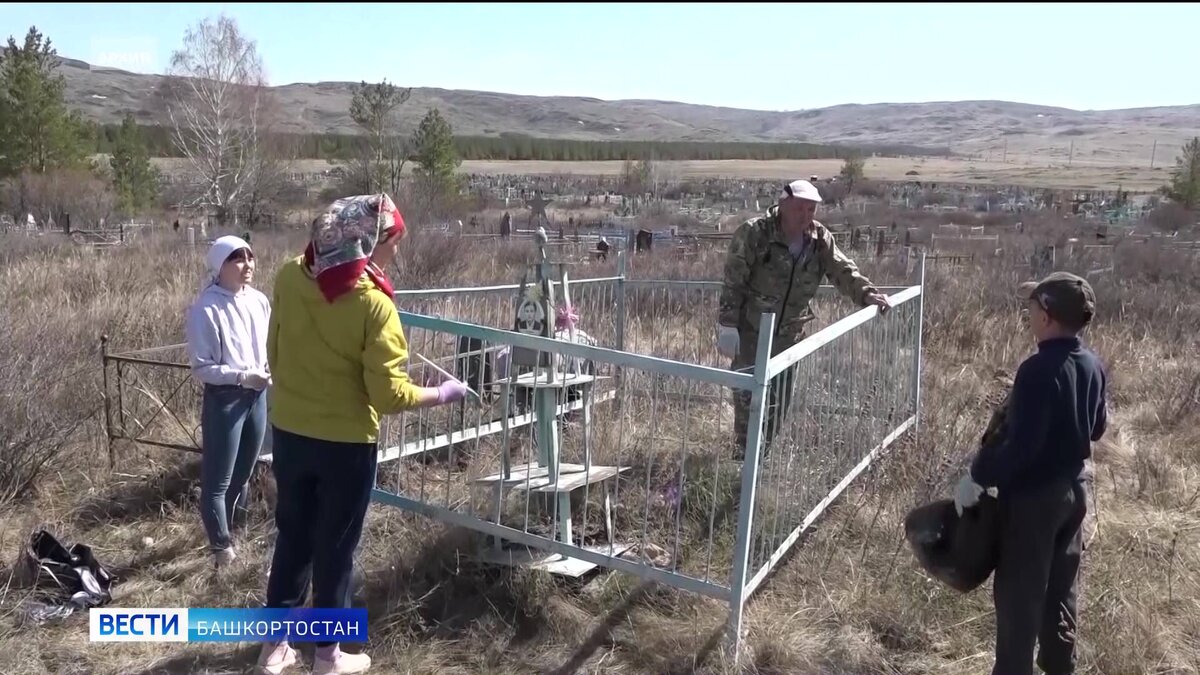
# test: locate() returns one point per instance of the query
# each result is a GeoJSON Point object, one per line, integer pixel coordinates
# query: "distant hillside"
{"type": "Point", "coordinates": [970, 127]}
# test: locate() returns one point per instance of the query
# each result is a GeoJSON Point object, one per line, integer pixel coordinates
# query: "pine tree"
{"type": "Point", "coordinates": [37, 131]}
{"type": "Point", "coordinates": [1185, 177]}
{"type": "Point", "coordinates": [436, 158]}
{"type": "Point", "coordinates": [135, 180]}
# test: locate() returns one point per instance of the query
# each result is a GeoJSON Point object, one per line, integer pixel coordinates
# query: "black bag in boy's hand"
{"type": "Point", "coordinates": [961, 552]}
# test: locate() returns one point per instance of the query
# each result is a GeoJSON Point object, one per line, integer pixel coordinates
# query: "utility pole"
{"type": "Point", "coordinates": [1153, 150]}
{"type": "Point", "coordinates": [1005, 160]}
{"type": "Point", "coordinates": [1071, 157]}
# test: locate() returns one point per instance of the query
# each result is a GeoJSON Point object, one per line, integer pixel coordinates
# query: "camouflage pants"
{"type": "Point", "coordinates": [779, 393]}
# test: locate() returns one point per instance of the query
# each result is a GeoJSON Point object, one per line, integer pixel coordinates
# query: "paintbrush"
{"type": "Point", "coordinates": [435, 366]}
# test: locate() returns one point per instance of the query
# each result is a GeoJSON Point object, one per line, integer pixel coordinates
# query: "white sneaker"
{"type": "Point", "coordinates": [224, 557]}
{"type": "Point", "coordinates": [274, 658]}
{"type": "Point", "coordinates": [342, 664]}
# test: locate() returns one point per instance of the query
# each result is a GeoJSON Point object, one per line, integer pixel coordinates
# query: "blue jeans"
{"type": "Point", "coordinates": [233, 422]}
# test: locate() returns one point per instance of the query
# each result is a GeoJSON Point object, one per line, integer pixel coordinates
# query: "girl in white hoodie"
{"type": "Point", "coordinates": [227, 347]}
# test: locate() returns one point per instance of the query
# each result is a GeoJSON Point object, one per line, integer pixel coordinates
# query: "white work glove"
{"type": "Point", "coordinates": [727, 341]}
{"type": "Point", "coordinates": [255, 379]}
{"type": "Point", "coordinates": [968, 492]}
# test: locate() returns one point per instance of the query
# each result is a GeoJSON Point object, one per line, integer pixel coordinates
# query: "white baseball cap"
{"type": "Point", "coordinates": [802, 189]}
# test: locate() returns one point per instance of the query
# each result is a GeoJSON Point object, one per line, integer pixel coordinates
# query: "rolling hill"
{"type": "Point", "coordinates": [981, 128]}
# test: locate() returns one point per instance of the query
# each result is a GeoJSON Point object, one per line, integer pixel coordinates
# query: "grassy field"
{"type": "Point", "coordinates": [851, 600]}
{"type": "Point", "coordinates": [1023, 171]}
{"type": "Point", "coordinates": [881, 168]}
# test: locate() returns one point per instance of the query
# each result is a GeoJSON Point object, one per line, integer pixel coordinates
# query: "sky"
{"type": "Point", "coordinates": [757, 56]}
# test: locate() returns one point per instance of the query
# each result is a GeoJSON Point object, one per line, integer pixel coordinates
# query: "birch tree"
{"type": "Point", "coordinates": [216, 97]}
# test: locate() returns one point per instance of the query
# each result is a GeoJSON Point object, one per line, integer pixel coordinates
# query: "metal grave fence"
{"type": "Point", "coordinates": [150, 398]}
{"type": "Point", "coordinates": [823, 411]}
{"type": "Point", "coordinates": [623, 455]}
{"type": "Point", "coordinates": [625, 458]}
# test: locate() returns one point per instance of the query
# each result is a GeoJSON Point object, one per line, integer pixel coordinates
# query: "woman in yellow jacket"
{"type": "Point", "coordinates": [337, 355]}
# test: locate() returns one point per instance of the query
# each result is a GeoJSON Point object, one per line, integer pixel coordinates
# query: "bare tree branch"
{"type": "Point", "coordinates": [215, 92]}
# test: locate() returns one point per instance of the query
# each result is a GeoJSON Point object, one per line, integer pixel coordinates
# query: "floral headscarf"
{"type": "Point", "coordinates": [343, 238]}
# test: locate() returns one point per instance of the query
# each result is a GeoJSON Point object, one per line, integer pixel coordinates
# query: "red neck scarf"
{"type": "Point", "coordinates": [337, 281]}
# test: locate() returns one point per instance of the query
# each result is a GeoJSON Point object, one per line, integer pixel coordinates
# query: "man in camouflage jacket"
{"type": "Point", "coordinates": [775, 264]}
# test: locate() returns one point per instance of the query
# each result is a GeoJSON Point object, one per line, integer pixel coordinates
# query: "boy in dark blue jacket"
{"type": "Point", "coordinates": [1056, 410]}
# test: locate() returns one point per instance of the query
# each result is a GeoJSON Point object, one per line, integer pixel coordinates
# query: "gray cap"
{"type": "Point", "coordinates": [1066, 297]}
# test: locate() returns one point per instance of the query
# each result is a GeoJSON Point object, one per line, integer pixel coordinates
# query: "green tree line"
{"type": "Point", "coordinates": [521, 147]}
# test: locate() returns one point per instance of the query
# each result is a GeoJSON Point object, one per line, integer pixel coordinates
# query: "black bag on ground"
{"type": "Point", "coordinates": [961, 552]}
{"type": "Point", "coordinates": [66, 575]}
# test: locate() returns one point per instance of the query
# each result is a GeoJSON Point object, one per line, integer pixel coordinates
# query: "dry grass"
{"type": "Point", "coordinates": [850, 600]}
{"type": "Point", "coordinates": [1026, 171]}
{"type": "Point", "coordinates": [1034, 172]}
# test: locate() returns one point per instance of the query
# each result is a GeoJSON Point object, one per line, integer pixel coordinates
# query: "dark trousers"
{"type": "Point", "coordinates": [1041, 542]}
{"type": "Point", "coordinates": [324, 489]}
{"type": "Point", "coordinates": [233, 423]}
{"type": "Point", "coordinates": [779, 393]}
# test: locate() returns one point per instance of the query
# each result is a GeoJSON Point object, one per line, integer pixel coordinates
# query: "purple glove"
{"type": "Point", "coordinates": [451, 391]}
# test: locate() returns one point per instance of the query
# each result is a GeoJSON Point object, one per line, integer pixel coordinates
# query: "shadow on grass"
{"type": "Point", "coordinates": [176, 486]}
{"type": "Point", "coordinates": [146, 560]}
{"type": "Point", "coordinates": [707, 650]}
{"type": "Point", "coordinates": [135, 499]}
{"type": "Point", "coordinates": [604, 636]}
{"type": "Point", "coordinates": [233, 661]}
{"type": "Point", "coordinates": [144, 499]}
{"type": "Point", "coordinates": [442, 594]}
